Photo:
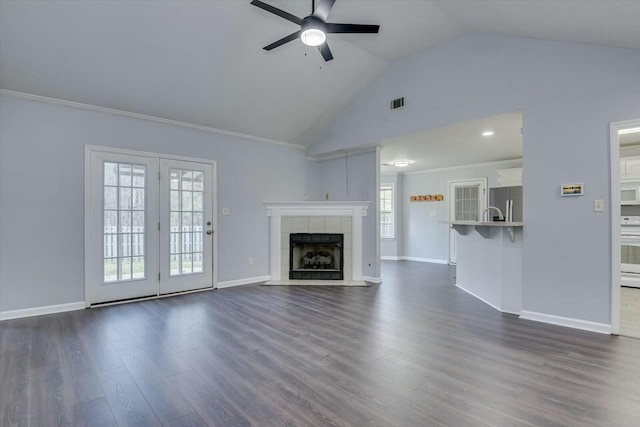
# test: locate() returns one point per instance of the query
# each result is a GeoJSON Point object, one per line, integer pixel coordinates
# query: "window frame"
{"type": "Point", "coordinates": [392, 187]}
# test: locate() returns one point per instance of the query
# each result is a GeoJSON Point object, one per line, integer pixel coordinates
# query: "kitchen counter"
{"type": "Point", "coordinates": [481, 227]}
{"type": "Point", "coordinates": [488, 223]}
{"type": "Point", "coordinates": [489, 262]}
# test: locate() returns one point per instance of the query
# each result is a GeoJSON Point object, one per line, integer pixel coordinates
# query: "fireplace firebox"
{"type": "Point", "coordinates": [316, 256]}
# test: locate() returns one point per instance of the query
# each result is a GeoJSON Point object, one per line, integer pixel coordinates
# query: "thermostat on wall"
{"type": "Point", "coordinates": [576, 189]}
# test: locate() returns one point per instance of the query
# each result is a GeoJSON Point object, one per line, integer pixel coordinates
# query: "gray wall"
{"type": "Point", "coordinates": [362, 185]}
{"type": "Point", "coordinates": [427, 236]}
{"type": "Point", "coordinates": [569, 93]}
{"type": "Point", "coordinates": [42, 193]}
{"type": "Point", "coordinates": [394, 247]}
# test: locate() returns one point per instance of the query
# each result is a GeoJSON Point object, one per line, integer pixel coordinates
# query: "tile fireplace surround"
{"type": "Point", "coordinates": [316, 217]}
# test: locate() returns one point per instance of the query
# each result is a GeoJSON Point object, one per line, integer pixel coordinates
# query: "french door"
{"type": "Point", "coordinates": [186, 237]}
{"type": "Point", "coordinates": [149, 226]}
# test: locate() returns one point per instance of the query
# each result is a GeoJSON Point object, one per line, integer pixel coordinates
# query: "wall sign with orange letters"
{"type": "Point", "coordinates": [427, 198]}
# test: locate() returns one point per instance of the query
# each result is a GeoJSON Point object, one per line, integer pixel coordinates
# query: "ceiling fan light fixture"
{"type": "Point", "coordinates": [313, 37]}
{"type": "Point", "coordinates": [401, 163]}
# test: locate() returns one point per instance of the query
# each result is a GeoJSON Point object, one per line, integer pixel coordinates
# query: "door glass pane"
{"type": "Point", "coordinates": [467, 203]}
{"type": "Point", "coordinates": [123, 226]}
{"type": "Point", "coordinates": [186, 222]}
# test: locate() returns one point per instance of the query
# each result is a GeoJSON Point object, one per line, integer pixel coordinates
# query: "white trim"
{"type": "Point", "coordinates": [39, 311]}
{"type": "Point", "coordinates": [89, 107]}
{"type": "Point", "coordinates": [483, 202]}
{"type": "Point", "coordinates": [431, 260]}
{"type": "Point", "coordinates": [89, 214]}
{"type": "Point", "coordinates": [614, 156]}
{"type": "Point", "coordinates": [586, 325]}
{"type": "Point", "coordinates": [173, 294]}
{"type": "Point", "coordinates": [390, 258]}
{"type": "Point", "coordinates": [394, 207]}
{"type": "Point", "coordinates": [473, 165]}
{"type": "Point", "coordinates": [481, 299]}
{"type": "Point", "coordinates": [127, 152]}
{"type": "Point", "coordinates": [341, 153]}
{"type": "Point", "coordinates": [247, 281]}
{"type": "Point", "coordinates": [370, 279]}
{"type": "Point", "coordinates": [378, 266]}
{"type": "Point", "coordinates": [355, 210]}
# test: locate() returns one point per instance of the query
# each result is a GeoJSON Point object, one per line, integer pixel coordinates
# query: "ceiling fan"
{"type": "Point", "coordinates": [314, 28]}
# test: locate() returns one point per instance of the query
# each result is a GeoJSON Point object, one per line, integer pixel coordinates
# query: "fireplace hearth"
{"type": "Point", "coordinates": [316, 256]}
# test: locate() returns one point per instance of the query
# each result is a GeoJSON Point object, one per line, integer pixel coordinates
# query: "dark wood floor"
{"type": "Point", "coordinates": [414, 351]}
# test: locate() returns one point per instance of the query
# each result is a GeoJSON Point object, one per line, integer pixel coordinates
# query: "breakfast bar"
{"type": "Point", "coordinates": [489, 262]}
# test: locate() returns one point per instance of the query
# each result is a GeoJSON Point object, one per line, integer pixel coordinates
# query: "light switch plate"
{"type": "Point", "coordinates": [225, 211]}
{"type": "Point", "coordinates": [434, 213]}
{"type": "Point", "coordinates": [598, 205]}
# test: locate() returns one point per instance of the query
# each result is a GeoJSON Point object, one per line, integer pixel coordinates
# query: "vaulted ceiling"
{"type": "Point", "coordinates": [202, 61]}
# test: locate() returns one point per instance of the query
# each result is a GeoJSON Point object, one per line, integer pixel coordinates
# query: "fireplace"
{"type": "Point", "coordinates": [328, 217]}
{"type": "Point", "coordinates": [316, 256]}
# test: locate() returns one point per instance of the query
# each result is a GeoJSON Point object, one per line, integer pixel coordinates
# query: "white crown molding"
{"type": "Point", "coordinates": [89, 107]}
{"type": "Point", "coordinates": [474, 165]}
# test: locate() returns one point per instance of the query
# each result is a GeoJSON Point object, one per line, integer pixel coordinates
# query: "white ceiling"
{"type": "Point", "coordinates": [202, 61]}
{"type": "Point", "coordinates": [457, 145]}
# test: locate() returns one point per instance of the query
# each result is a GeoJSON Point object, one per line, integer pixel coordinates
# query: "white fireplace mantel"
{"type": "Point", "coordinates": [355, 210]}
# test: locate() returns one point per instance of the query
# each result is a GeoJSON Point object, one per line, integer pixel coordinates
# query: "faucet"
{"type": "Point", "coordinates": [492, 207]}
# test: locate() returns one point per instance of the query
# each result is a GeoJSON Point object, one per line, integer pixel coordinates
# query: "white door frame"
{"type": "Point", "coordinates": [451, 206]}
{"type": "Point", "coordinates": [614, 155]}
{"type": "Point", "coordinates": [89, 263]}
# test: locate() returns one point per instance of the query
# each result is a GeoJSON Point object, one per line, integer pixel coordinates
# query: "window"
{"type": "Point", "coordinates": [387, 217]}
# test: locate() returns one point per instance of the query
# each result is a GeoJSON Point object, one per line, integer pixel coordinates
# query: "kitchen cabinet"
{"type": "Point", "coordinates": [630, 169]}
{"type": "Point", "coordinates": [511, 177]}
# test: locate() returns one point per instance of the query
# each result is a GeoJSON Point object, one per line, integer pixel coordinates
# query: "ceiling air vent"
{"type": "Point", "coordinates": [397, 103]}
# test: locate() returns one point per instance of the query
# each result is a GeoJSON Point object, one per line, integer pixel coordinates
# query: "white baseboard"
{"type": "Point", "coordinates": [432, 260]}
{"type": "Point", "coordinates": [39, 311]}
{"type": "Point", "coordinates": [390, 258]}
{"type": "Point", "coordinates": [372, 279]}
{"type": "Point", "coordinates": [569, 322]}
{"type": "Point", "coordinates": [476, 296]}
{"type": "Point", "coordinates": [247, 281]}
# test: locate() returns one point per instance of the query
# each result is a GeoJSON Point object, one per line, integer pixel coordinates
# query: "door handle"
{"type": "Point", "coordinates": [209, 232]}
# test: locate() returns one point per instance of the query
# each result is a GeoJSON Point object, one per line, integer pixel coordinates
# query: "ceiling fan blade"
{"type": "Point", "coordinates": [283, 40]}
{"type": "Point", "coordinates": [323, 9]}
{"type": "Point", "coordinates": [281, 13]}
{"type": "Point", "coordinates": [351, 28]}
{"type": "Point", "coordinates": [325, 51]}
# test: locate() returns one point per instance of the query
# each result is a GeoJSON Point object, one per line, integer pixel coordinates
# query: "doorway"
{"type": "Point", "coordinates": [625, 214]}
{"type": "Point", "coordinates": [149, 225]}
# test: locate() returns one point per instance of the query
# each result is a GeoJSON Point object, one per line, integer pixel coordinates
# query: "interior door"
{"type": "Point", "coordinates": [467, 201]}
{"type": "Point", "coordinates": [186, 225]}
{"type": "Point", "coordinates": [122, 200]}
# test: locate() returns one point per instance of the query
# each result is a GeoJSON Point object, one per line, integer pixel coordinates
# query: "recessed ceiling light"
{"type": "Point", "coordinates": [401, 163]}
{"type": "Point", "coordinates": [628, 131]}
{"type": "Point", "coordinates": [487, 133]}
